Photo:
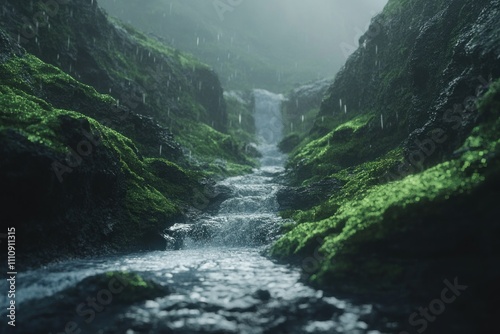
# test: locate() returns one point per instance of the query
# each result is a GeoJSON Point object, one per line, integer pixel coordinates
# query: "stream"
{"type": "Point", "coordinates": [220, 285]}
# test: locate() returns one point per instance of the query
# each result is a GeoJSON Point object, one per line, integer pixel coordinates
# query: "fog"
{"type": "Point", "coordinates": [272, 44]}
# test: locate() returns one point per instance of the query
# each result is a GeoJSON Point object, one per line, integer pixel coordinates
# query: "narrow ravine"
{"type": "Point", "coordinates": [220, 284]}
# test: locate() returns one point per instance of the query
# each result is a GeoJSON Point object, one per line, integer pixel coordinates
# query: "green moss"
{"type": "Point", "coordinates": [31, 117]}
{"type": "Point", "coordinates": [369, 211]}
{"type": "Point", "coordinates": [147, 206]}
{"type": "Point", "coordinates": [127, 287]}
{"type": "Point", "coordinates": [39, 122]}
{"type": "Point", "coordinates": [186, 60]}
{"type": "Point", "coordinates": [29, 74]}
{"type": "Point", "coordinates": [237, 109]}
{"type": "Point", "coordinates": [205, 143]}
{"type": "Point", "coordinates": [350, 143]}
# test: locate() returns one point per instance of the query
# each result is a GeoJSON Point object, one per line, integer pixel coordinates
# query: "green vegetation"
{"type": "Point", "coordinates": [30, 75]}
{"type": "Point", "coordinates": [193, 124]}
{"type": "Point", "coordinates": [154, 187]}
{"type": "Point", "coordinates": [368, 211]}
{"type": "Point", "coordinates": [237, 109]}
{"type": "Point", "coordinates": [216, 153]}
{"type": "Point", "coordinates": [32, 117]}
{"type": "Point", "coordinates": [135, 288]}
{"type": "Point", "coordinates": [356, 141]}
{"type": "Point", "coordinates": [187, 61]}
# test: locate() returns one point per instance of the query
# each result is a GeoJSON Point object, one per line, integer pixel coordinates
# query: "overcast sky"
{"type": "Point", "coordinates": [309, 35]}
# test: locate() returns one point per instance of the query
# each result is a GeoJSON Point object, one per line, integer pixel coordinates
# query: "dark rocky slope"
{"type": "Point", "coordinates": [410, 131]}
{"type": "Point", "coordinates": [145, 76]}
{"type": "Point", "coordinates": [300, 109]}
{"type": "Point", "coordinates": [87, 173]}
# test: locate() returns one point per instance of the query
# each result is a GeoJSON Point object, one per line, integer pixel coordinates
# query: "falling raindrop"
{"type": "Point", "coordinates": [199, 85]}
{"type": "Point", "coordinates": [239, 119]}
{"type": "Point", "coordinates": [57, 56]}
{"type": "Point", "coordinates": [322, 118]}
{"type": "Point", "coordinates": [144, 98]}
{"type": "Point", "coordinates": [161, 146]}
{"type": "Point", "coordinates": [69, 41]}
{"type": "Point", "coordinates": [345, 109]}
{"type": "Point", "coordinates": [291, 126]}
{"type": "Point", "coordinates": [382, 121]}
{"type": "Point", "coordinates": [302, 118]}
{"type": "Point", "coordinates": [340, 103]}
{"type": "Point", "coordinates": [117, 102]}
{"type": "Point", "coordinates": [197, 41]}
{"type": "Point", "coordinates": [376, 49]}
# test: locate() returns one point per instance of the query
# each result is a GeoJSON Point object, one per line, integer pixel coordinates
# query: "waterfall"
{"type": "Point", "coordinates": [248, 218]}
{"type": "Point", "coordinates": [269, 126]}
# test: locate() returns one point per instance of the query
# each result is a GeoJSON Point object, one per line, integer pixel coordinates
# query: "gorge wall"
{"type": "Point", "coordinates": [108, 136]}
{"type": "Point", "coordinates": [397, 176]}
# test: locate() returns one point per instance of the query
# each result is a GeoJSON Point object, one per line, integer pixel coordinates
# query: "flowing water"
{"type": "Point", "coordinates": [222, 283]}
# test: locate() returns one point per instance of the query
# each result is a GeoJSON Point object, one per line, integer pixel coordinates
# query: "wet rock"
{"type": "Point", "coordinates": [299, 198]}
{"type": "Point", "coordinates": [263, 295]}
{"type": "Point", "coordinates": [89, 303]}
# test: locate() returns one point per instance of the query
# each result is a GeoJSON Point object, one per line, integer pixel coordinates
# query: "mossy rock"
{"type": "Point", "coordinates": [382, 229]}
{"type": "Point", "coordinates": [125, 287]}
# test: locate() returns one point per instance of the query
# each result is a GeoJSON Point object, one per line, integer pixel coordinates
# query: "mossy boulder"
{"type": "Point", "coordinates": [89, 189]}
{"type": "Point", "coordinates": [90, 304]}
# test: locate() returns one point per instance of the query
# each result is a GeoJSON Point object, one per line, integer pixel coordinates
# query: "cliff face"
{"type": "Point", "coordinates": [417, 74]}
{"type": "Point", "coordinates": [87, 172]}
{"type": "Point", "coordinates": [408, 134]}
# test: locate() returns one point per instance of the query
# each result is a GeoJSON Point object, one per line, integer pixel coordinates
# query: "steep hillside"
{"type": "Point", "coordinates": [397, 177]}
{"type": "Point", "coordinates": [143, 75]}
{"type": "Point", "coordinates": [108, 137]}
{"type": "Point", "coordinates": [300, 110]}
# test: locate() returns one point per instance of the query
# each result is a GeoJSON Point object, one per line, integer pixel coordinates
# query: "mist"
{"type": "Point", "coordinates": [256, 44]}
